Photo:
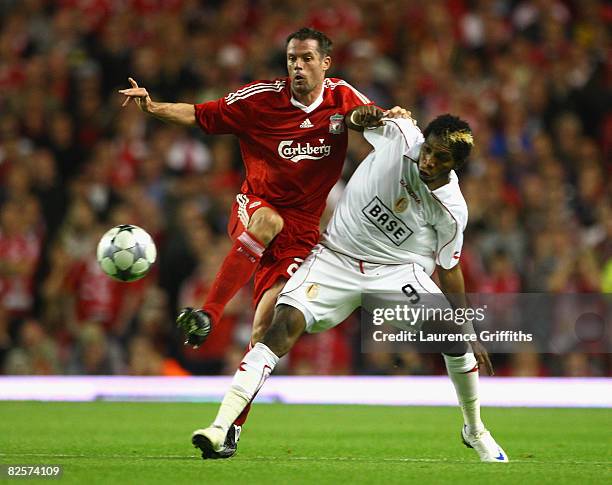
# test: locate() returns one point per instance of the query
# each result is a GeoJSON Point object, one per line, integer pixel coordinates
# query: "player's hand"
{"type": "Point", "coordinates": [196, 324]}
{"type": "Point", "coordinates": [482, 357]}
{"type": "Point", "coordinates": [367, 116]}
{"type": "Point", "coordinates": [139, 95]}
{"type": "Point", "coordinates": [399, 112]}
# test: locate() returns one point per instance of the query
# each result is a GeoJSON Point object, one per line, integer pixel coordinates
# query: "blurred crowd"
{"type": "Point", "coordinates": [532, 77]}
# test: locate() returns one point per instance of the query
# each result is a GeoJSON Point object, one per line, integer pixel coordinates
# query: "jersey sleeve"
{"type": "Point", "coordinates": [351, 97]}
{"type": "Point", "coordinates": [400, 131]}
{"type": "Point", "coordinates": [221, 116]}
{"type": "Point", "coordinates": [449, 228]}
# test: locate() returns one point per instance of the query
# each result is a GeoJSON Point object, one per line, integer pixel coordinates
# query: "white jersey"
{"type": "Point", "coordinates": [388, 215]}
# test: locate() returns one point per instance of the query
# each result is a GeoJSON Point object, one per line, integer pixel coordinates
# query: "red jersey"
{"type": "Point", "coordinates": [17, 290]}
{"type": "Point", "coordinates": [293, 153]}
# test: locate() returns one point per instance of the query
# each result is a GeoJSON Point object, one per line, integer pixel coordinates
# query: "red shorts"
{"type": "Point", "coordinates": [286, 251]}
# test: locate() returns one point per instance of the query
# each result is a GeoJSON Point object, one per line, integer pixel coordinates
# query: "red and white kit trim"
{"type": "Point", "coordinates": [328, 83]}
{"type": "Point", "coordinates": [251, 244]}
{"type": "Point", "coordinates": [243, 214]}
{"type": "Point", "coordinates": [256, 88]}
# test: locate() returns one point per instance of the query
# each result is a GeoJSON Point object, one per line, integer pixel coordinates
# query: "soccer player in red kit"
{"type": "Point", "coordinates": [293, 139]}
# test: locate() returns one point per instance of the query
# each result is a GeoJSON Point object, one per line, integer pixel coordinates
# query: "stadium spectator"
{"type": "Point", "coordinates": [531, 77]}
{"type": "Point", "coordinates": [36, 352]}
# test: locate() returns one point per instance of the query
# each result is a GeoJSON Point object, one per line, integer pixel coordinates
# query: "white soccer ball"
{"type": "Point", "coordinates": [126, 252]}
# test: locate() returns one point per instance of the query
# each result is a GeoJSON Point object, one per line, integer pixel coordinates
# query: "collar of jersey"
{"type": "Point", "coordinates": [308, 109]}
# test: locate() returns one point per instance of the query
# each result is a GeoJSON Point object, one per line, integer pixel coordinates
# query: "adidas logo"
{"type": "Point", "coordinates": [306, 124]}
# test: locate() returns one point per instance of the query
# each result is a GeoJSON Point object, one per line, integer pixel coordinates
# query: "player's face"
{"type": "Point", "coordinates": [435, 160]}
{"type": "Point", "coordinates": [306, 66]}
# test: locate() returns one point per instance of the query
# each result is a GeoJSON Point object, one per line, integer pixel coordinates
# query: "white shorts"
{"type": "Point", "coordinates": [329, 286]}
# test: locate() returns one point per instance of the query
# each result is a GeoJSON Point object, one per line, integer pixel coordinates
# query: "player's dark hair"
{"type": "Point", "coordinates": [456, 133]}
{"type": "Point", "coordinates": [305, 33]}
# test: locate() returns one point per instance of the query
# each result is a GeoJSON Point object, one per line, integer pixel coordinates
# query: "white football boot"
{"type": "Point", "coordinates": [484, 444]}
{"type": "Point", "coordinates": [210, 441]}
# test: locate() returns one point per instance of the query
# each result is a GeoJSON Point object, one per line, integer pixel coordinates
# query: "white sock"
{"type": "Point", "coordinates": [466, 387]}
{"type": "Point", "coordinates": [256, 366]}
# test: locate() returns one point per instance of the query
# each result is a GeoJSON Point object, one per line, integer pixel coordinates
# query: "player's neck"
{"type": "Point", "coordinates": [308, 98]}
{"type": "Point", "coordinates": [439, 182]}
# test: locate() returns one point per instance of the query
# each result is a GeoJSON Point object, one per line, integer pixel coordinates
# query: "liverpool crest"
{"type": "Point", "coordinates": [336, 124]}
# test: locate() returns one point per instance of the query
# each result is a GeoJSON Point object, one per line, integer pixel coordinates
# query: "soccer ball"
{"type": "Point", "coordinates": [126, 252]}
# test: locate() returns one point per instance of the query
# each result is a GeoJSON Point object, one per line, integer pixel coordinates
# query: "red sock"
{"type": "Point", "coordinates": [236, 271]}
{"type": "Point", "coordinates": [242, 417]}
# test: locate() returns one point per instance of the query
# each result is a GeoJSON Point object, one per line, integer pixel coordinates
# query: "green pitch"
{"type": "Point", "coordinates": [106, 442]}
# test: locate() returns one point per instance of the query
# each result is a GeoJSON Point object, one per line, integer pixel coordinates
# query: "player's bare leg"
{"type": "Point", "coordinates": [287, 326]}
{"type": "Point", "coordinates": [263, 318]}
{"type": "Point", "coordinates": [262, 321]}
{"type": "Point", "coordinates": [265, 311]}
{"type": "Point", "coordinates": [237, 269]}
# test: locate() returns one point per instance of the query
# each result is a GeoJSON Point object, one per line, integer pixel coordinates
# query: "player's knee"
{"type": "Point", "coordinates": [265, 224]}
{"type": "Point", "coordinates": [287, 326]}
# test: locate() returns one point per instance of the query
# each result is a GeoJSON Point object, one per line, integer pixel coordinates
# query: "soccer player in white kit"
{"type": "Point", "coordinates": [401, 217]}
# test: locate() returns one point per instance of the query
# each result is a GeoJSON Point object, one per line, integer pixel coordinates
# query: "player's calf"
{"type": "Point", "coordinates": [287, 326]}
{"type": "Point", "coordinates": [264, 313]}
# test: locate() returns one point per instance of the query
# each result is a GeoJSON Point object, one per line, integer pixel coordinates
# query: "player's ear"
{"type": "Point", "coordinates": [326, 63]}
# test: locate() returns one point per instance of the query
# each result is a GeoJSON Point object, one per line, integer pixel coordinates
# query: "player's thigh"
{"type": "Point", "coordinates": [326, 289]}
{"type": "Point", "coordinates": [409, 280]}
{"type": "Point", "coordinates": [406, 285]}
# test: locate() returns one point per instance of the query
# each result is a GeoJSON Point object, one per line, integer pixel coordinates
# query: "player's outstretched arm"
{"type": "Point", "coordinates": [178, 113]}
{"type": "Point", "coordinates": [370, 116]}
{"type": "Point", "coordinates": [453, 286]}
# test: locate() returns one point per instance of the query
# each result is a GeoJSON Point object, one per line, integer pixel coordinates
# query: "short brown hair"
{"type": "Point", "coordinates": [305, 33]}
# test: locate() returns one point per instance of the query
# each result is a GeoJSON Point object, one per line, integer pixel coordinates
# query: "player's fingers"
{"type": "Point", "coordinates": [374, 120]}
{"type": "Point", "coordinates": [480, 361]}
{"type": "Point", "coordinates": [377, 114]}
{"type": "Point", "coordinates": [125, 102]}
{"type": "Point", "coordinates": [133, 82]}
{"type": "Point", "coordinates": [402, 113]}
{"type": "Point", "coordinates": [490, 369]}
{"type": "Point", "coordinates": [397, 112]}
{"type": "Point", "coordinates": [484, 361]}
{"type": "Point", "coordinates": [134, 92]}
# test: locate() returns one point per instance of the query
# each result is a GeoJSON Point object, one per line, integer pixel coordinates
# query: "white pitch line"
{"type": "Point", "coordinates": [301, 458]}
